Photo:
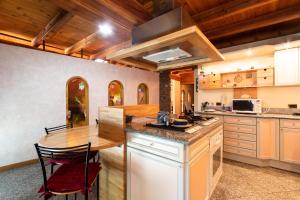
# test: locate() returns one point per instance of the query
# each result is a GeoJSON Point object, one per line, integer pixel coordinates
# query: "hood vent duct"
{"type": "Point", "coordinates": [163, 6]}
{"type": "Point", "coordinates": [164, 24]}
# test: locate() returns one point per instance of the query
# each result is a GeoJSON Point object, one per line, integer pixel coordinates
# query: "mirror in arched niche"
{"type": "Point", "coordinates": [77, 101]}
{"type": "Point", "coordinates": [142, 94]}
{"type": "Point", "coordinates": [115, 93]}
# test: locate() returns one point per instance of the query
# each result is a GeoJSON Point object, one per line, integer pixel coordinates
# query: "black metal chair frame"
{"type": "Point", "coordinates": [49, 130]}
{"type": "Point", "coordinates": [70, 153]}
{"type": "Point", "coordinates": [56, 128]}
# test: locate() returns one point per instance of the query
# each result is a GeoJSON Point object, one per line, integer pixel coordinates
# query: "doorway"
{"type": "Point", "coordinates": [182, 91]}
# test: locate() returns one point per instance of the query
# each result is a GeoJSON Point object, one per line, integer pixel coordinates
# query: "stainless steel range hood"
{"type": "Point", "coordinates": [171, 40]}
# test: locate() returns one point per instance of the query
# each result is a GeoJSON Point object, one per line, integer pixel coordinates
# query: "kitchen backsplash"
{"type": "Point", "coordinates": [286, 111]}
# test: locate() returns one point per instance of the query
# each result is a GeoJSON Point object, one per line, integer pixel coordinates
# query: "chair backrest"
{"type": "Point", "coordinates": [56, 128]}
{"type": "Point", "coordinates": [73, 155]}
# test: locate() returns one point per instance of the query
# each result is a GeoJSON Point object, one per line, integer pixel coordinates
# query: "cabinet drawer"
{"type": "Point", "coordinates": [265, 72]}
{"type": "Point", "coordinates": [203, 85]}
{"type": "Point", "coordinates": [240, 151]}
{"type": "Point", "coordinates": [157, 146]}
{"type": "Point", "coordinates": [265, 81]}
{"type": "Point", "coordinates": [215, 77]}
{"type": "Point", "coordinates": [289, 123]}
{"type": "Point", "coordinates": [240, 120]}
{"type": "Point", "coordinates": [240, 143]}
{"type": "Point", "coordinates": [214, 84]}
{"type": "Point", "coordinates": [240, 128]}
{"type": "Point", "coordinates": [241, 136]}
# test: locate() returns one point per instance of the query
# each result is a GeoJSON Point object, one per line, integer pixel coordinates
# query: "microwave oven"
{"type": "Point", "coordinates": [247, 106]}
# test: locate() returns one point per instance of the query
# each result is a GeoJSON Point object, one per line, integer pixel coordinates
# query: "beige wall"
{"type": "Point", "coordinates": [274, 97]}
{"type": "Point", "coordinates": [279, 97]}
{"type": "Point", "coordinates": [33, 94]}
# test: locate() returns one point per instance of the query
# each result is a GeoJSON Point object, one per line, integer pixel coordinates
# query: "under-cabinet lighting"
{"type": "Point", "coordinates": [100, 60]}
{"type": "Point", "coordinates": [105, 29]}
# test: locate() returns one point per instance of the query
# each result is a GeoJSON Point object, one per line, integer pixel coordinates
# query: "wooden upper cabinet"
{"type": "Point", "coordinates": [287, 70]}
{"type": "Point", "coordinates": [265, 77]}
{"type": "Point", "coordinates": [210, 81]}
{"type": "Point", "coordinates": [268, 139]}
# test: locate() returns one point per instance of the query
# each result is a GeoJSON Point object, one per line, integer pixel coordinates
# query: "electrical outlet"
{"type": "Point", "coordinates": [292, 105]}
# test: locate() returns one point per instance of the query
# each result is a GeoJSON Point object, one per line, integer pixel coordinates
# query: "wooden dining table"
{"type": "Point", "coordinates": [78, 136]}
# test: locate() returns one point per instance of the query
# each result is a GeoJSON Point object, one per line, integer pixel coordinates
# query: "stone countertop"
{"type": "Point", "coordinates": [265, 115]}
{"type": "Point", "coordinates": [177, 136]}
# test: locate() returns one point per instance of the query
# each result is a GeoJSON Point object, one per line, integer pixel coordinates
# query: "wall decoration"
{"type": "Point", "coordinates": [77, 101]}
{"type": "Point", "coordinates": [142, 94]}
{"type": "Point", "coordinates": [115, 93]}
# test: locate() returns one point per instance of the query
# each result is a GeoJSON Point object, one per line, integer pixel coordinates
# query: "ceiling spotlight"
{"type": "Point", "coordinates": [105, 29]}
{"type": "Point", "coordinates": [249, 52]}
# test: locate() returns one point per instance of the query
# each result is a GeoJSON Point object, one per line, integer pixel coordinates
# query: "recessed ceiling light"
{"type": "Point", "coordinates": [105, 29]}
{"type": "Point", "coordinates": [249, 52]}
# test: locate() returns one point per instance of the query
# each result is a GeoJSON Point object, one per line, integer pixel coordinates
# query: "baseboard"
{"type": "Point", "coordinates": [18, 165]}
{"type": "Point", "coordinates": [263, 163]}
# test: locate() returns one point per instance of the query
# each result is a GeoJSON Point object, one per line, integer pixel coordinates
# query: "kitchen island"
{"type": "Point", "coordinates": [173, 165]}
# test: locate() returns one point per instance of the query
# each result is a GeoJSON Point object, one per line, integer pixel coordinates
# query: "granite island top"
{"type": "Point", "coordinates": [139, 126]}
{"type": "Point", "coordinates": [264, 115]}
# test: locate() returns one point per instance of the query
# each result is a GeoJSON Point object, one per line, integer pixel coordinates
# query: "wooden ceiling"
{"type": "Point", "coordinates": [71, 27]}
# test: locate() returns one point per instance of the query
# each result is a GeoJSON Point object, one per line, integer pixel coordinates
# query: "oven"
{"type": "Point", "coordinates": [216, 158]}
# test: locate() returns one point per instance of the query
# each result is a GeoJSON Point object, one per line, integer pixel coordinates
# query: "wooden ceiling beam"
{"type": "Point", "coordinates": [280, 16]}
{"type": "Point", "coordinates": [96, 12]}
{"type": "Point", "coordinates": [82, 43]}
{"type": "Point", "coordinates": [53, 25]}
{"type": "Point", "coordinates": [104, 52]}
{"type": "Point", "coordinates": [250, 37]}
{"type": "Point", "coordinates": [129, 9]}
{"type": "Point", "coordinates": [227, 9]}
{"type": "Point", "coordinates": [137, 64]}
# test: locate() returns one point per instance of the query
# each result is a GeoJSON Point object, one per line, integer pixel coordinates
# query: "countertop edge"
{"type": "Point", "coordinates": [266, 115]}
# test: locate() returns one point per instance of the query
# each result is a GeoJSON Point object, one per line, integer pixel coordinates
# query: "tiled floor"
{"type": "Point", "coordinates": [246, 182]}
{"type": "Point", "coordinates": [239, 182]}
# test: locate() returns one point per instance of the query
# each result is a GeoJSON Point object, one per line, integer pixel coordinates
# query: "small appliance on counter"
{"type": "Point", "coordinates": [250, 106]}
{"type": "Point", "coordinates": [163, 118]}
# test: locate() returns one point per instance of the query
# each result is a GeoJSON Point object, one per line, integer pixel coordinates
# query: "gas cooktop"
{"type": "Point", "coordinates": [195, 123]}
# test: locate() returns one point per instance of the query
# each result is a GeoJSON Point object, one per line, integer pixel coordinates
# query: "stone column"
{"type": "Point", "coordinates": [165, 91]}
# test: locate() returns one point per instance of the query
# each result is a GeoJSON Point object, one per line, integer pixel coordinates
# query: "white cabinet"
{"type": "Point", "coordinates": [268, 138]}
{"type": "Point", "coordinates": [152, 177]}
{"type": "Point", "coordinates": [287, 70]}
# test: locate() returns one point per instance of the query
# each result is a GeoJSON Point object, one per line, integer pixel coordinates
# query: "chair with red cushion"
{"type": "Point", "coordinates": [93, 154]}
{"type": "Point", "coordinates": [73, 176]}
